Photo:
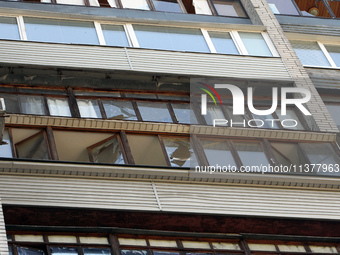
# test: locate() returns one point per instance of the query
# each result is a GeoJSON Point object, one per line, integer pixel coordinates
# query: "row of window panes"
{"type": "Point", "coordinates": [163, 150]}
{"type": "Point", "coordinates": [334, 110]}
{"type": "Point", "coordinates": [232, 8]}
{"type": "Point", "coordinates": [144, 36]}
{"type": "Point", "coordinates": [116, 108]}
{"type": "Point", "coordinates": [306, 8]}
{"type": "Point", "coordinates": [313, 53]}
{"type": "Point", "coordinates": [148, 246]}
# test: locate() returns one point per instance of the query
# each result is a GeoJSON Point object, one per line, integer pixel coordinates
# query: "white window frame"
{"type": "Point", "coordinates": [22, 28]}
{"type": "Point", "coordinates": [208, 40]}
{"type": "Point", "coordinates": [131, 35]}
{"type": "Point", "coordinates": [238, 42]}
{"type": "Point", "coordinates": [99, 32]}
{"type": "Point", "coordinates": [270, 44]}
{"type": "Point", "coordinates": [326, 53]}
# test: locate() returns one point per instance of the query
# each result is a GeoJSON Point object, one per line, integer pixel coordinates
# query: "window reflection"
{"type": "Point", "coordinates": [251, 153]}
{"type": "Point", "coordinates": [34, 147]}
{"type": "Point", "coordinates": [9, 28]}
{"type": "Point", "coordinates": [133, 252]}
{"type": "Point", "coordinates": [119, 110]}
{"type": "Point", "coordinates": [97, 251]}
{"type": "Point", "coordinates": [29, 251]}
{"type": "Point", "coordinates": [229, 8]}
{"type": "Point", "coordinates": [32, 105]}
{"type": "Point", "coordinates": [154, 112]}
{"type": "Point", "coordinates": [63, 251]}
{"type": "Point", "coordinates": [107, 151]}
{"type": "Point", "coordinates": [218, 152]}
{"type": "Point", "coordinates": [167, 5]}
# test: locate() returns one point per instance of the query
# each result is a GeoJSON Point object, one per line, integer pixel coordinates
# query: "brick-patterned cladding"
{"type": "Point", "coordinates": [261, 14]}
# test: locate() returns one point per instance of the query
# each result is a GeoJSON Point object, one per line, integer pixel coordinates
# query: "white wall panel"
{"type": "Point", "coordinates": [3, 238]}
{"type": "Point", "coordinates": [143, 60]}
{"type": "Point", "coordinates": [173, 197]}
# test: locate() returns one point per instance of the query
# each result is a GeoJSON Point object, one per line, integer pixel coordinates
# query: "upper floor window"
{"type": "Point", "coordinates": [231, 8]}
{"type": "Point", "coordinates": [307, 8]}
{"type": "Point", "coordinates": [312, 53]}
{"type": "Point", "coordinates": [136, 35]}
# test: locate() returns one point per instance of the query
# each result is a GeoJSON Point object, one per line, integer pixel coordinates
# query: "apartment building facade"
{"type": "Point", "coordinates": [104, 127]}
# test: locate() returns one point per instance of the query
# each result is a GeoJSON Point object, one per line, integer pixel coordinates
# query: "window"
{"type": "Point", "coordinates": [334, 110]}
{"type": "Point", "coordinates": [154, 112]}
{"type": "Point", "coordinates": [89, 108]}
{"type": "Point", "coordinates": [34, 147]}
{"type": "Point", "coordinates": [223, 43]}
{"type": "Point", "coordinates": [165, 245]}
{"type": "Point", "coordinates": [310, 53]}
{"type": "Point", "coordinates": [317, 53]}
{"type": "Point", "coordinates": [286, 7]}
{"type": "Point", "coordinates": [201, 7]}
{"type": "Point", "coordinates": [59, 107]}
{"type": "Point", "coordinates": [167, 5]}
{"type": "Point", "coordinates": [107, 151]}
{"type": "Point", "coordinates": [146, 150]}
{"type": "Point", "coordinates": [334, 52]}
{"type": "Point", "coordinates": [170, 38]}
{"type": "Point", "coordinates": [119, 110]}
{"type": "Point", "coordinates": [115, 35]}
{"type": "Point", "coordinates": [9, 28]}
{"type": "Point", "coordinates": [251, 153]}
{"type": "Point", "coordinates": [218, 152]}
{"type": "Point", "coordinates": [229, 8]}
{"type": "Point", "coordinates": [315, 8]}
{"type": "Point", "coordinates": [255, 44]}
{"type": "Point", "coordinates": [136, 4]}
{"type": "Point", "coordinates": [60, 31]}
{"type": "Point", "coordinates": [5, 148]}
{"type": "Point", "coordinates": [179, 152]}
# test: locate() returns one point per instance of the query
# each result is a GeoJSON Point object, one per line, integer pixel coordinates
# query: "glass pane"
{"type": "Point", "coordinates": [229, 8]}
{"type": "Point", "coordinates": [63, 251]}
{"type": "Point", "coordinates": [184, 114]}
{"type": "Point", "coordinates": [9, 28]}
{"type": "Point", "coordinates": [218, 153]}
{"type": "Point", "coordinates": [108, 152]}
{"type": "Point", "coordinates": [165, 253]}
{"type": "Point", "coordinates": [34, 148]}
{"type": "Point", "coordinates": [196, 245]}
{"type": "Point", "coordinates": [170, 38]}
{"type": "Point", "coordinates": [283, 7]}
{"type": "Point", "coordinates": [223, 43]}
{"type": "Point", "coordinates": [60, 31]}
{"type": "Point", "coordinates": [213, 113]}
{"type": "Point", "coordinates": [158, 112]}
{"type": "Point", "coordinates": [11, 103]}
{"type": "Point", "coordinates": [334, 51]}
{"type": "Point", "coordinates": [32, 105]}
{"type": "Point", "coordinates": [93, 240]}
{"type": "Point", "coordinates": [131, 241]}
{"type": "Point", "coordinates": [29, 251]}
{"type": "Point", "coordinates": [6, 149]}
{"type": "Point", "coordinates": [323, 249]}
{"type": "Point", "coordinates": [291, 248]}
{"type": "Point", "coordinates": [321, 153]}
{"type": "Point", "coordinates": [62, 239]}
{"type": "Point", "coordinates": [334, 111]}
{"type": "Point", "coordinates": [290, 114]}
{"type": "Point", "coordinates": [135, 4]}
{"type": "Point", "coordinates": [261, 247]}
{"type": "Point", "coordinates": [288, 154]}
{"type": "Point", "coordinates": [226, 246]}
{"type": "Point", "coordinates": [266, 121]}
{"type": "Point", "coordinates": [97, 251]}
{"type": "Point", "coordinates": [310, 53]}
{"type": "Point", "coordinates": [89, 108]}
{"type": "Point", "coordinates": [251, 154]}
{"type": "Point", "coordinates": [313, 8]}
{"type": "Point", "coordinates": [152, 156]}
{"type": "Point", "coordinates": [167, 5]}
{"type": "Point", "coordinates": [10, 250]}
{"type": "Point", "coordinates": [59, 107]}
{"type": "Point", "coordinates": [29, 238]}
{"type": "Point", "coordinates": [201, 7]}
{"type": "Point", "coordinates": [119, 110]}
{"type": "Point", "coordinates": [73, 2]}
{"type": "Point", "coordinates": [133, 252]}
{"type": "Point", "coordinates": [255, 44]}
{"type": "Point", "coordinates": [236, 120]}
{"type": "Point", "coordinates": [115, 35]}
{"type": "Point", "coordinates": [163, 243]}
{"type": "Point", "coordinates": [180, 152]}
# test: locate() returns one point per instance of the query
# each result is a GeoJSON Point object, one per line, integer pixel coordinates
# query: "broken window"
{"type": "Point", "coordinates": [34, 147]}
{"type": "Point", "coordinates": [107, 151]}
{"type": "Point", "coordinates": [179, 152]}
{"type": "Point", "coordinates": [119, 110]}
